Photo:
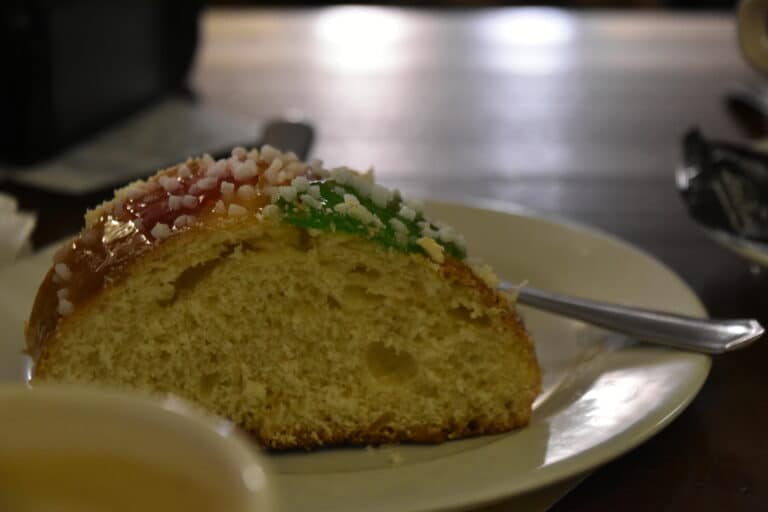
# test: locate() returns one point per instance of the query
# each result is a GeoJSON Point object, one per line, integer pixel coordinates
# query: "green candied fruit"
{"type": "Point", "coordinates": [319, 212]}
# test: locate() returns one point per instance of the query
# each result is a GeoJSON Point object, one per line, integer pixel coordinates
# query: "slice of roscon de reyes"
{"type": "Point", "coordinates": [311, 307]}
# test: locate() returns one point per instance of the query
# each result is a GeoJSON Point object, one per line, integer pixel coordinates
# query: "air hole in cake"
{"type": "Point", "coordinates": [464, 314]}
{"type": "Point", "coordinates": [333, 304]}
{"type": "Point", "coordinates": [382, 421]}
{"type": "Point", "coordinates": [208, 382]}
{"type": "Point", "coordinates": [388, 364]}
{"type": "Point", "coordinates": [355, 293]}
{"type": "Point", "coordinates": [412, 288]}
{"type": "Point", "coordinates": [93, 359]}
{"type": "Point", "coordinates": [473, 359]}
{"type": "Point", "coordinates": [304, 242]}
{"type": "Point", "coordinates": [366, 271]}
{"type": "Point", "coordinates": [251, 246]}
{"type": "Point", "coordinates": [427, 389]}
{"type": "Point", "coordinates": [192, 276]}
{"type": "Point", "coordinates": [212, 300]}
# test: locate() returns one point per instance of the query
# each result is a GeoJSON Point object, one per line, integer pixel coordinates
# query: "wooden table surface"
{"type": "Point", "coordinates": [573, 114]}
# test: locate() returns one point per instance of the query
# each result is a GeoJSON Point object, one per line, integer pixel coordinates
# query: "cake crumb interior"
{"type": "Point", "coordinates": [304, 340]}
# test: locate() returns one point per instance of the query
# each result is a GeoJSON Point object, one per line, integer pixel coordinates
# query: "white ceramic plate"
{"type": "Point", "coordinates": [603, 393]}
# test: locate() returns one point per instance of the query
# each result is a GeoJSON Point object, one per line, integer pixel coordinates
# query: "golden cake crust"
{"type": "Point", "coordinates": [431, 435]}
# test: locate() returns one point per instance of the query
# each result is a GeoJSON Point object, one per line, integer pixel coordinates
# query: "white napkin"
{"type": "Point", "coordinates": [15, 230]}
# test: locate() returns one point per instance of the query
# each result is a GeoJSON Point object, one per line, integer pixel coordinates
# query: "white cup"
{"type": "Point", "coordinates": [66, 448]}
{"type": "Point", "coordinates": [752, 26]}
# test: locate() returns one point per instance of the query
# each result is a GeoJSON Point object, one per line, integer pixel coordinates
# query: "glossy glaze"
{"type": "Point", "coordinates": [120, 231]}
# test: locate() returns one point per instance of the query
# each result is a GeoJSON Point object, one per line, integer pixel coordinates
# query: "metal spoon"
{"type": "Point", "coordinates": [678, 331]}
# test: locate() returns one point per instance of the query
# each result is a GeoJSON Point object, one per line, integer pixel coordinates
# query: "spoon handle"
{"type": "Point", "coordinates": [683, 332]}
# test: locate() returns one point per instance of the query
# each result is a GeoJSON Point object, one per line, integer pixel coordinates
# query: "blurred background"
{"type": "Point", "coordinates": [527, 104]}
{"type": "Point", "coordinates": [574, 109]}
{"type": "Point", "coordinates": [79, 66]}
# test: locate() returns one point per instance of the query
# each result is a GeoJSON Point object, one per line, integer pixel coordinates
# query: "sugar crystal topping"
{"type": "Point", "coordinates": [350, 202]}
{"type": "Point", "coordinates": [262, 182]}
{"type": "Point", "coordinates": [306, 194]}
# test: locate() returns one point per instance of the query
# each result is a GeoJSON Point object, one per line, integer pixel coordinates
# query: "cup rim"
{"type": "Point", "coordinates": [224, 435]}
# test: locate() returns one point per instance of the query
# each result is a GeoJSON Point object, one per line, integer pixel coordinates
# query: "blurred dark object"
{"type": "Point", "coordinates": [748, 104]}
{"type": "Point", "coordinates": [74, 67]}
{"type": "Point", "coordinates": [725, 185]}
{"type": "Point", "coordinates": [293, 136]}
